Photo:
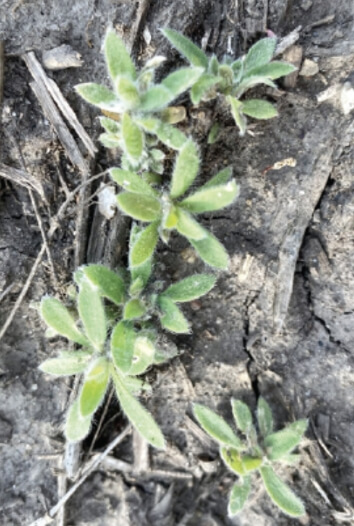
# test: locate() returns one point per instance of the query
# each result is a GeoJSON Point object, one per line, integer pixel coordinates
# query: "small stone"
{"type": "Point", "coordinates": [347, 98]}
{"type": "Point", "coordinates": [309, 68]}
{"type": "Point", "coordinates": [61, 57]}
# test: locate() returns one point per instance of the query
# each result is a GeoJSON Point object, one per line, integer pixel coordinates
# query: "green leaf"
{"type": "Point", "coordinates": [283, 442]}
{"type": "Point", "coordinates": [182, 79]}
{"type": "Point", "coordinates": [133, 138]}
{"type": "Point", "coordinates": [109, 140]}
{"type": "Point", "coordinates": [131, 182]}
{"type": "Point", "coordinates": [144, 246]}
{"type": "Point", "coordinates": [281, 494]}
{"type": "Point", "coordinates": [122, 345]}
{"type": "Point", "coordinates": [211, 251]}
{"type": "Point", "coordinates": [186, 169]}
{"type": "Point", "coordinates": [117, 57]}
{"type": "Point", "coordinates": [94, 387]}
{"type": "Point", "coordinates": [170, 136]}
{"type": "Point", "coordinates": [143, 356]}
{"type": "Point", "coordinates": [188, 226]}
{"type": "Point", "coordinates": [259, 109]}
{"type": "Point", "coordinates": [58, 318]}
{"type": "Point", "coordinates": [227, 77]}
{"type": "Point", "coordinates": [109, 125]}
{"type": "Point", "coordinates": [251, 463]}
{"type": "Point", "coordinates": [139, 417]}
{"type": "Point", "coordinates": [67, 363]}
{"type": "Point", "coordinates": [242, 415]}
{"type": "Point", "coordinates": [190, 288]}
{"type": "Point", "coordinates": [216, 427]}
{"type": "Point", "coordinates": [134, 309]}
{"type": "Point", "coordinates": [260, 53]}
{"type": "Point", "coordinates": [172, 318]}
{"type": "Point", "coordinates": [264, 417]}
{"type": "Point", "coordinates": [127, 92]}
{"type": "Point", "coordinates": [143, 271]}
{"type": "Point", "coordinates": [202, 87]}
{"type": "Point", "coordinates": [233, 460]}
{"type": "Point", "coordinates": [213, 66]}
{"type": "Point", "coordinates": [212, 198]}
{"type": "Point", "coordinates": [156, 98]}
{"type": "Point", "coordinates": [273, 70]}
{"type": "Point", "coordinates": [239, 495]}
{"type": "Point", "coordinates": [139, 206]}
{"type": "Point", "coordinates": [77, 427]}
{"type": "Point", "coordinates": [92, 313]}
{"type": "Point", "coordinates": [186, 47]}
{"type": "Point", "coordinates": [250, 82]}
{"type": "Point", "coordinates": [97, 95]}
{"type": "Point", "coordinates": [213, 133]}
{"type": "Point", "coordinates": [236, 111]}
{"type": "Point", "coordinates": [136, 286]}
{"type": "Point", "coordinates": [221, 177]}
{"type": "Point", "coordinates": [110, 284]}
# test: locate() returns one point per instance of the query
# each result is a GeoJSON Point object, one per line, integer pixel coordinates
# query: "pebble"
{"type": "Point", "coordinates": [309, 68]}
{"type": "Point", "coordinates": [61, 57]}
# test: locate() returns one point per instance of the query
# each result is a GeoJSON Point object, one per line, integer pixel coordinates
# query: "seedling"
{"type": "Point", "coordinates": [135, 94]}
{"type": "Point", "coordinates": [232, 78]}
{"type": "Point", "coordinates": [167, 208]}
{"type": "Point", "coordinates": [255, 452]}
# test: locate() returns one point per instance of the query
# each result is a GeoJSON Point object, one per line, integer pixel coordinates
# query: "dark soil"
{"type": "Point", "coordinates": [290, 230]}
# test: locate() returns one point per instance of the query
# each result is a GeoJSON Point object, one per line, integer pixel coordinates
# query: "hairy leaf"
{"type": "Point", "coordinates": [139, 417]}
{"type": "Point", "coordinates": [110, 125]}
{"type": "Point", "coordinates": [273, 70]}
{"type": "Point", "coordinates": [236, 111]}
{"type": "Point", "coordinates": [259, 109]}
{"type": "Point", "coordinates": [188, 226]}
{"type": "Point", "coordinates": [156, 98]}
{"type": "Point", "coordinates": [260, 53]}
{"type": "Point", "coordinates": [117, 57]}
{"type": "Point", "coordinates": [182, 79]}
{"type": "Point", "coordinates": [283, 442]}
{"type": "Point", "coordinates": [133, 138]}
{"type": "Point", "coordinates": [143, 356]}
{"type": "Point", "coordinates": [220, 178]}
{"type": "Point", "coordinates": [250, 82]}
{"type": "Point", "coordinates": [216, 427]}
{"type": "Point", "coordinates": [170, 136]}
{"type": "Point", "coordinates": [281, 494]}
{"type": "Point", "coordinates": [144, 246]}
{"type": "Point", "coordinates": [109, 140]}
{"type": "Point", "coordinates": [94, 387]}
{"type": "Point", "coordinates": [190, 288]}
{"type": "Point", "coordinates": [97, 95]}
{"type": "Point", "coordinates": [251, 463]}
{"type": "Point", "coordinates": [92, 313]}
{"type": "Point", "coordinates": [134, 309]}
{"type": "Point", "coordinates": [139, 206]}
{"type": "Point", "coordinates": [193, 53]}
{"type": "Point", "coordinates": [172, 318]}
{"type": "Point", "coordinates": [239, 495]}
{"type": "Point", "coordinates": [122, 345]}
{"type": "Point", "coordinates": [211, 251]}
{"type": "Point", "coordinates": [127, 92]}
{"type": "Point", "coordinates": [242, 415]}
{"type": "Point", "coordinates": [136, 286]}
{"type": "Point", "coordinates": [77, 427]}
{"type": "Point", "coordinates": [67, 363]}
{"type": "Point", "coordinates": [211, 198]}
{"type": "Point", "coordinates": [186, 169]}
{"type": "Point", "coordinates": [264, 417]}
{"type": "Point", "coordinates": [131, 182]}
{"type": "Point", "coordinates": [58, 318]}
{"type": "Point", "coordinates": [233, 460]}
{"type": "Point", "coordinates": [202, 87]}
{"type": "Point", "coordinates": [110, 284]}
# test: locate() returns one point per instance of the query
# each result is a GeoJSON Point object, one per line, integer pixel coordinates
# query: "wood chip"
{"type": "Point", "coordinates": [294, 56]}
{"type": "Point", "coordinates": [22, 178]}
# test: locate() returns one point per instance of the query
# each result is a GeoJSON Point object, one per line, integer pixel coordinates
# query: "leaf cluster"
{"type": "Point", "coordinates": [256, 451]}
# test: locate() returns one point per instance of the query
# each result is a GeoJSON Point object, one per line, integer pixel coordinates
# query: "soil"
{"type": "Point", "coordinates": [280, 322]}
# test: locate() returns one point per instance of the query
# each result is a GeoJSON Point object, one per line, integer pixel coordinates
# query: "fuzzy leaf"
{"type": "Point", "coordinates": [77, 427]}
{"type": "Point", "coordinates": [259, 109]}
{"type": "Point", "coordinates": [139, 206]}
{"type": "Point", "coordinates": [67, 363]}
{"type": "Point", "coordinates": [281, 494]}
{"type": "Point", "coordinates": [264, 417]}
{"type": "Point", "coordinates": [182, 79]}
{"type": "Point", "coordinates": [273, 70]}
{"type": "Point", "coordinates": [133, 138]}
{"type": "Point", "coordinates": [188, 226]}
{"type": "Point", "coordinates": [156, 98]}
{"type": "Point", "coordinates": [142, 271]}
{"type": "Point", "coordinates": [170, 136]}
{"type": "Point", "coordinates": [94, 387]}
{"type": "Point", "coordinates": [186, 169]}
{"type": "Point", "coordinates": [211, 251]}
{"type": "Point", "coordinates": [127, 92]}
{"type": "Point", "coordinates": [250, 82]}
{"type": "Point", "coordinates": [210, 199]}
{"type": "Point", "coordinates": [170, 218]}
{"type": "Point", "coordinates": [239, 495]}
{"type": "Point", "coordinates": [213, 133]}
{"type": "Point", "coordinates": [237, 114]}
{"type": "Point", "coordinates": [92, 313]}
{"type": "Point", "coordinates": [122, 345]}
{"type": "Point", "coordinates": [97, 95]}
{"type": "Point", "coordinates": [190, 288]}
{"type": "Point", "coordinates": [172, 318]}
{"type": "Point", "coordinates": [110, 125]}
{"type": "Point", "coordinates": [58, 318]}
{"type": "Point", "coordinates": [233, 460]}
{"type": "Point", "coordinates": [193, 53]}
{"type": "Point", "coordinates": [202, 87]}
{"type": "Point", "coordinates": [221, 177]}
{"type": "Point", "coordinates": [143, 356]}
{"type": "Point", "coordinates": [139, 417]}
{"type": "Point", "coordinates": [136, 286]}
{"type": "Point", "coordinates": [216, 427]}
{"type": "Point", "coordinates": [173, 114]}
{"type": "Point", "coordinates": [110, 284]}
{"type": "Point", "coordinates": [144, 246]}
{"type": "Point", "coordinates": [242, 415]}
{"type": "Point", "coordinates": [131, 182]}
{"type": "Point", "coordinates": [109, 140]}
{"type": "Point", "coordinates": [134, 309]}
{"type": "Point", "coordinates": [251, 463]}
{"type": "Point", "coordinates": [260, 53]}
{"type": "Point", "coordinates": [117, 57]}
{"type": "Point", "coordinates": [283, 442]}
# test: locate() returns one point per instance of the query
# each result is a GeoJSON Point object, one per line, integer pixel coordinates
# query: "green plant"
{"type": "Point", "coordinates": [232, 78]}
{"type": "Point", "coordinates": [167, 208]}
{"type": "Point", "coordinates": [255, 452]}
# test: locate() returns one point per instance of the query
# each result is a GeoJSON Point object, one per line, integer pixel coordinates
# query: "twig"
{"type": "Point", "coordinates": [2, 70]}
{"type": "Point", "coordinates": [138, 20]}
{"type": "Point", "coordinates": [99, 427]}
{"type": "Point", "coordinates": [115, 464]}
{"type": "Point", "coordinates": [288, 41]}
{"type": "Point", "coordinates": [21, 177]}
{"type": "Point", "coordinates": [43, 521]}
{"type": "Point", "coordinates": [6, 291]}
{"type": "Point", "coordinates": [322, 22]}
